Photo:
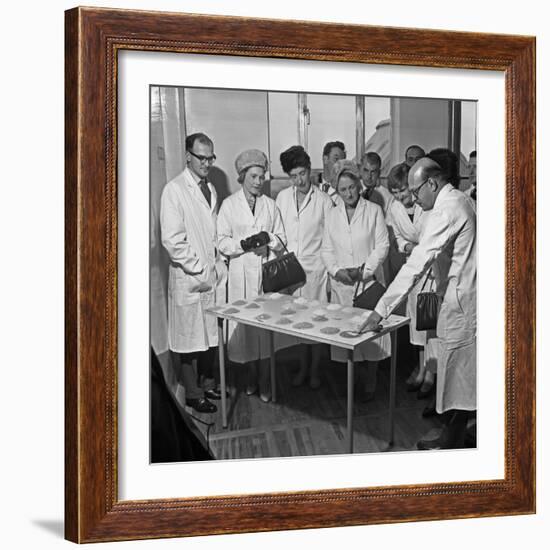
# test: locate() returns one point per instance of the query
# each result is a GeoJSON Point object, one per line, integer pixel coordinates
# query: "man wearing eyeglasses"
{"type": "Point", "coordinates": [450, 230]}
{"type": "Point", "coordinates": [188, 227]}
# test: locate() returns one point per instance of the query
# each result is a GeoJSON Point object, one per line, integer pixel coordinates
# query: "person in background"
{"type": "Point", "coordinates": [413, 154]}
{"type": "Point", "coordinates": [370, 168]}
{"type": "Point", "coordinates": [333, 151]}
{"type": "Point", "coordinates": [375, 192]}
{"type": "Point", "coordinates": [407, 220]}
{"type": "Point", "coordinates": [250, 230]}
{"type": "Point", "coordinates": [188, 214]}
{"type": "Point", "coordinates": [355, 244]}
{"type": "Point", "coordinates": [451, 226]}
{"type": "Point", "coordinates": [304, 209]}
{"type": "Point", "coordinates": [472, 176]}
{"type": "Point", "coordinates": [448, 161]}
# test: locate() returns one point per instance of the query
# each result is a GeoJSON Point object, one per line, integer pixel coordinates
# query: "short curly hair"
{"type": "Point", "coordinates": [294, 157]}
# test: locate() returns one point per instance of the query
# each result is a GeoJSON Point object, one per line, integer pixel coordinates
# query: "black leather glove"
{"type": "Point", "coordinates": [247, 244]}
{"type": "Point", "coordinates": [260, 239]}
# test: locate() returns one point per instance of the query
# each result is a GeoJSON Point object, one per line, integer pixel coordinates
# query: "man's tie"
{"type": "Point", "coordinates": [205, 191]}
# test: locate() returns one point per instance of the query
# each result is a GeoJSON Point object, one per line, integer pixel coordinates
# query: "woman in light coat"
{"type": "Point", "coordinates": [304, 209]}
{"type": "Point", "coordinates": [245, 214]}
{"type": "Point", "coordinates": [407, 220]}
{"type": "Point", "coordinates": [355, 235]}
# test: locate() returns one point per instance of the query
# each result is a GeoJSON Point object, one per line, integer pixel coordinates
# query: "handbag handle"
{"type": "Point", "coordinates": [428, 276]}
{"type": "Point", "coordinates": [359, 282]}
{"type": "Point", "coordinates": [281, 241]}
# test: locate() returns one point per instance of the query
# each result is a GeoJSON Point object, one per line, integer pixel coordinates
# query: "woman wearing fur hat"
{"type": "Point", "coordinates": [250, 230]}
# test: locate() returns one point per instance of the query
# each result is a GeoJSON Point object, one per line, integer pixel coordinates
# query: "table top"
{"type": "Point", "coordinates": [307, 319]}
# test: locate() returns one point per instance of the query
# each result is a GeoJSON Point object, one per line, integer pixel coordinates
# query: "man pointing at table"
{"type": "Point", "coordinates": [451, 226]}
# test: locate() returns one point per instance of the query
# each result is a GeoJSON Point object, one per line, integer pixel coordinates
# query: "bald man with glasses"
{"type": "Point", "coordinates": [450, 232]}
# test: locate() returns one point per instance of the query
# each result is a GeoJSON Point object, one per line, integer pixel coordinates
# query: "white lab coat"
{"type": "Point", "coordinates": [450, 228]}
{"type": "Point", "coordinates": [188, 233]}
{"type": "Point", "coordinates": [235, 223]}
{"type": "Point", "coordinates": [304, 231]}
{"type": "Point", "coordinates": [364, 240]}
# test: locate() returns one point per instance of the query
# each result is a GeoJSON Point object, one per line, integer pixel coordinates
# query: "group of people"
{"type": "Point", "coordinates": [346, 229]}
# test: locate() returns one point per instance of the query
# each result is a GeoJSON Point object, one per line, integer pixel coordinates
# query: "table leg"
{"type": "Point", "coordinates": [393, 371]}
{"type": "Point", "coordinates": [272, 367]}
{"type": "Point", "coordinates": [221, 351]}
{"type": "Point", "coordinates": [349, 436]}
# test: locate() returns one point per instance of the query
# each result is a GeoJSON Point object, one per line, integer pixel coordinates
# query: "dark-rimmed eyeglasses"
{"type": "Point", "coordinates": [203, 159]}
{"type": "Point", "coordinates": [416, 191]}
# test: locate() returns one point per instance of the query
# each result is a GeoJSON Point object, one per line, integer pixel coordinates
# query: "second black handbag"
{"type": "Point", "coordinates": [427, 306]}
{"type": "Point", "coordinates": [369, 296]}
{"type": "Point", "coordinates": [282, 272]}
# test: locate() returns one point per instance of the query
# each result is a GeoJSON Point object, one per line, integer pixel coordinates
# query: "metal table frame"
{"type": "Point", "coordinates": [350, 368]}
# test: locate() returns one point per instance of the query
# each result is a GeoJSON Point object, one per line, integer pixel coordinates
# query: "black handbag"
{"type": "Point", "coordinates": [369, 296]}
{"type": "Point", "coordinates": [427, 306]}
{"type": "Point", "coordinates": [282, 272]}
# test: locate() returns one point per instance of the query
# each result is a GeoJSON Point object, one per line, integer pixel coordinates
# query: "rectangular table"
{"type": "Point", "coordinates": [268, 310]}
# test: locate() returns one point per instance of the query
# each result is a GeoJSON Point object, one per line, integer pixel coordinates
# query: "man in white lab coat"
{"type": "Point", "coordinates": [451, 227]}
{"type": "Point", "coordinates": [333, 151]}
{"type": "Point", "coordinates": [370, 168]}
{"type": "Point", "coordinates": [373, 190]}
{"type": "Point", "coordinates": [188, 231]}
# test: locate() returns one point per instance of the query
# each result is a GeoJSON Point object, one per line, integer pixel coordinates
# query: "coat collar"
{"type": "Point", "coordinates": [448, 188]}
{"type": "Point", "coordinates": [258, 209]}
{"type": "Point", "coordinates": [309, 196]}
{"type": "Point", "coordinates": [192, 183]}
{"type": "Point", "coordinates": [361, 205]}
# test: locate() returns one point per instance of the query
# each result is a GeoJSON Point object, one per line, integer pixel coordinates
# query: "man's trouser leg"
{"type": "Point", "coordinates": [207, 368]}
{"type": "Point", "coordinates": [188, 375]}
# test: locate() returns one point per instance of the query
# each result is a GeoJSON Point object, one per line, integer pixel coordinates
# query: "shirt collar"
{"type": "Point", "coordinates": [196, 178]}
{"type": "Point", "coordinates": [447, 188]}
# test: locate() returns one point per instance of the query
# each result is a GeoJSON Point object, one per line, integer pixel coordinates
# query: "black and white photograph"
{"type": "Point", "coordinates": [312, 273]}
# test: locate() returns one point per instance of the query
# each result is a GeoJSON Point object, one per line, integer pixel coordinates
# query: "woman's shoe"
{"type": "Point", "coordinates": [252, 381]}
{"type": "Point", "coordinates": [426, 390]}
{"type": "Point", "coordinates": [264, 380]}
{"type": "Point", "coordinates": [412, 380]}
{"type": "Point", "coordinates": [265, 397]}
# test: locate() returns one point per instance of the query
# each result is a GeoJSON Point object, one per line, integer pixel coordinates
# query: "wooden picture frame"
{"type": "Point", "coordinates": [93, 39]}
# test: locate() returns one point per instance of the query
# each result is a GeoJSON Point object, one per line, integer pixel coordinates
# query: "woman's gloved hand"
{"type": "Point", "coordinates": [247, 244]}
{"type": "Point", "coordinates": [255, 241]}
{"type": "Point", "coordinates": [261, 239]}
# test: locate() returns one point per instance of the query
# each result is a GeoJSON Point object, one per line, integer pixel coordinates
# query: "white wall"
{"type": "Point", "coordinates": [32, 274]}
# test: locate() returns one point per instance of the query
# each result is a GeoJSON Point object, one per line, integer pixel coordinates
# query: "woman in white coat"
{"type": "Point", "coordinates": [407, 220]}
{"type": "Point", "coordinates": [250, 229]}
{"type": "Point", "coordinates": [355, 235]}
{"type": "Point", "coordinates": [304, 209]}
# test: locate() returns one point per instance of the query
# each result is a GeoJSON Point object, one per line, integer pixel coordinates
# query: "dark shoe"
{"type": "Point", "coordinates": [215, 393]}
{"type": "Point", "coordinates": [429, 411]}
{"type": "Point", "coordinates": [431, 444]}
{"type": "Point", "coordinates": [451, 437]}
{"type": "Point", "coordinates": [251, 389]}
{"type": "Point", "coordinates": [425, 391]}
{"type": "Point", "coordinates": [201, 405]}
